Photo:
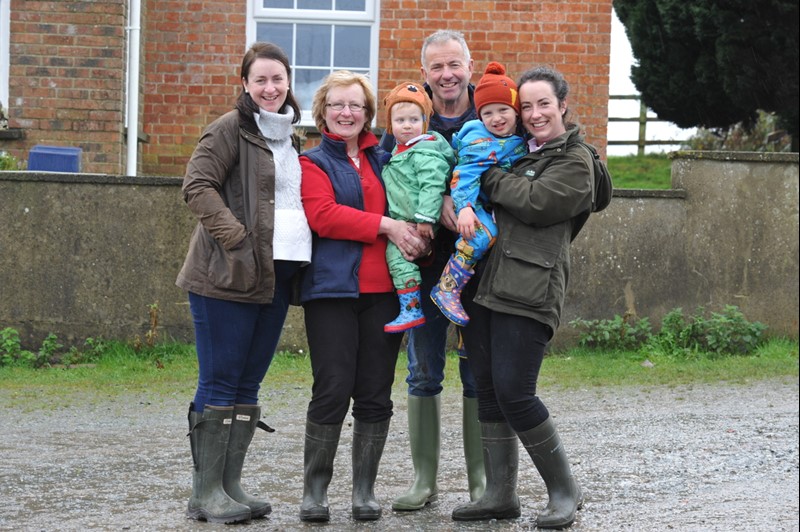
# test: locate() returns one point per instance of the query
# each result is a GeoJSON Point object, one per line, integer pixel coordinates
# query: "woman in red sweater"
{"type": "Point", "coordinates": [347, 293]}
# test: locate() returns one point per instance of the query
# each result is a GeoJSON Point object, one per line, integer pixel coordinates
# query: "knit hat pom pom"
{"type": "Point", "coordinates": [495, 68]}
{"type": "Point", "coordinates": [496, 87]}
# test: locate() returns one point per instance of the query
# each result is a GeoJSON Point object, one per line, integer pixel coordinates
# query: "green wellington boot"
{"type": "Point", "coordinates": [565, 499]}
{"type": "Point", "coordinates": [473, 448]}
{"type": "Point", "coordinates": [209, 432]}
{"type": "Point", "coordinates": [500, 456]}
{"type": "Point", "coordinates": [246, 419]}
{"type": "Point", "coordinates": [320, 450]}
{"type": "Point", "coordinates": [368, 442]}
{"type": "Point", "coordinates": [424, 414]}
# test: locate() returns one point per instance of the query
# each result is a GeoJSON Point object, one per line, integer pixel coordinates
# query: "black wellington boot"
{"type": "Point", "coordinates": [544, 446]}
{"type": "Point", "coordinates": [246, 418]}
{"type": "Point", "coordinates": [320, 450]}
{"type": "Point", "coordinates": [368, 442]}
{"type": "Point", "coordinates": [500, 458]}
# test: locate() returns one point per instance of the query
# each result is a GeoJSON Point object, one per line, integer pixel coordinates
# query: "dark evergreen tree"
{"type": "Point", "coordinates": [714, 63]}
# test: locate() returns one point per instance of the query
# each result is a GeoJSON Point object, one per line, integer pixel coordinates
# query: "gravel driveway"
{"type": "Point", "coordinates": [701, 457]}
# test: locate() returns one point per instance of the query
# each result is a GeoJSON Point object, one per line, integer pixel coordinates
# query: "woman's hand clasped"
{"type": "Point", "coordinates": [404, 235]}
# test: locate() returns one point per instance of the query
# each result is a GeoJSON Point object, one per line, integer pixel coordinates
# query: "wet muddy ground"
{"type": "Point", "coordinates": [690, 458]}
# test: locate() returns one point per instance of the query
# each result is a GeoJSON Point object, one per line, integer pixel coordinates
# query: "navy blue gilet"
{"type": "Point", "coordinates": [333, 271]}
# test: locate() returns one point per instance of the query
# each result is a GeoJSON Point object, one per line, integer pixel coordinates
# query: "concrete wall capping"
{"type": "Point", "coordinates": [97, 179]}
{"type": "Point", "coordinates": [740, 156]}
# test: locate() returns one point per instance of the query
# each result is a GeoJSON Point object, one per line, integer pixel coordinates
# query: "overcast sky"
{"type": "Point", "coordinates": [620, 84]}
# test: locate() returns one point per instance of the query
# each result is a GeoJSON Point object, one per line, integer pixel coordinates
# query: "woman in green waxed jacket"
{"type": "Point", "coordinates": [516, 305]}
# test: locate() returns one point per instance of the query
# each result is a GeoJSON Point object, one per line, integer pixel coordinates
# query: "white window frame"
{"type": "Point", "coordinates": [370, 17]}
{"type": "Point", "coordinates": [5, 52]}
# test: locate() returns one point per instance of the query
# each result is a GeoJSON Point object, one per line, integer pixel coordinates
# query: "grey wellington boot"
{"type": "Point", "coordinates": [424, 415]}
{"type": "Point", "coordinates": [500, 456]}
{"type": "Point", "coordinates": [246, 418]}
{"type": "Point", "coordinates": [473, 448]}
{"type": "Point", "coordinates": [209, 432]}
{"type": "Point", "coordinates": [544, 446]}
{"type": "Point", "coordinates": [320, 450]}
{"type": "Point", "coordinates": [368, 442]}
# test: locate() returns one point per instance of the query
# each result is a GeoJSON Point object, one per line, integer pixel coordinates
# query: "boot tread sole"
{"type": "Point", "coordinates": [410, 507]}
{"type": "Point", "coordinates": [404, 326]}
{"type": "Point", "coordinates": [510, 513]}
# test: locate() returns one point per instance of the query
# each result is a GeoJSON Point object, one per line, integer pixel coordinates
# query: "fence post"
{"type": "Point", "coordinates": [642, 128]}
{"type": "Point", "coordinates": [641, 142]}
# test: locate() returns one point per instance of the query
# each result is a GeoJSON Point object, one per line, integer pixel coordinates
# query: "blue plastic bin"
{"type": "Point", "coordinates": [55, 158]}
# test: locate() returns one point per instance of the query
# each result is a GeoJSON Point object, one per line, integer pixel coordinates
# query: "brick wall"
{"type": "Point", "coordinates": [67, 72]}
{"type": "Point", "coordinates": [66, 79]}
{"type": "Point", "coordinates": [573, 36]}
{"type": "Point", "coordinates": [193, 54]}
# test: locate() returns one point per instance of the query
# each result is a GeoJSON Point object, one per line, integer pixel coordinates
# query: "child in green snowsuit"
{"type": "Point", "coordinates": [416, 179]}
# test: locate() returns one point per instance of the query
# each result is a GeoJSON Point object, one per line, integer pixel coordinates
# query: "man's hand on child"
{"type": "Point", "coordinates": [448, 216]}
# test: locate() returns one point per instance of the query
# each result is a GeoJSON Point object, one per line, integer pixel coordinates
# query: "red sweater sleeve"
{"type": "Point", "coordinates": [328, 218]}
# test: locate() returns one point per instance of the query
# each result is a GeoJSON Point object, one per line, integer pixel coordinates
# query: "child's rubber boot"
{"type": "Point", "coordinates": [447, 292]}
{"type": "Point", "coordinates": [410, 311]}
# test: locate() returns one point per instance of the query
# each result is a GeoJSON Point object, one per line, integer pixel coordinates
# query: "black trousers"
{"type": "Point", "coordinates": [505, 353]}
{"type": "Point", "coordinates": [351, 357]}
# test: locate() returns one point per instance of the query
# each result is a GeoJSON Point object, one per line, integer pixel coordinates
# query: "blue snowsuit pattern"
{"type": "Point", "coordinates": [476, 151]}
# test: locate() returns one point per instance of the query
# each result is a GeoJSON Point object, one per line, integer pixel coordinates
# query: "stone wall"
{"type": "Point", "coordinates": [87, 255]}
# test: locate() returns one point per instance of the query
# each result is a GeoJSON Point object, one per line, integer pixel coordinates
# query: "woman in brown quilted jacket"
{"type": "Point", "coordinates": [243, 185]}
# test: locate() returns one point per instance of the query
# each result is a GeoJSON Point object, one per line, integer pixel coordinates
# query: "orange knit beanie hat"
{"type": "Point", "coordinates": [496, 87]}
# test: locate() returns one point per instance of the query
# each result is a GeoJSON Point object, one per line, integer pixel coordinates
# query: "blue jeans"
{"type": "Point", "coordinates": [427, 344]}
{"type": "Point", "coordinates": [236, 342]}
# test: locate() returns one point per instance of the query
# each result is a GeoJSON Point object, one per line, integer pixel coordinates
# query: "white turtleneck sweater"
{"type": "Point", "coordinates": [292, 237]}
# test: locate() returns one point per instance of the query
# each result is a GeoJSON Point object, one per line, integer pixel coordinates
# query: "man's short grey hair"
{"type": "Point", "coordinates": [442, 36]}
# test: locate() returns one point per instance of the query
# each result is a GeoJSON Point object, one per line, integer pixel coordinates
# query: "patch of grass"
{"type": "Point", "coordinates": [583, 367]}
{"type": "Point", "coordinates": [652, 171]}
{"type": "Point", "coordinates": [171, 369]}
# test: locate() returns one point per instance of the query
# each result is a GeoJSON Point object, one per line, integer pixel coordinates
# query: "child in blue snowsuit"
{"type": "Point", "coordinates": [479, 144]}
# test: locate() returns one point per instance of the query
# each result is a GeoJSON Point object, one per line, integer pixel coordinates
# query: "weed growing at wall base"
{"type": "Point", "coordinates": [9, 162]}
{"type": "Point", "coordinates": [12, 354]}
{"type": "Point", "coordinates": [714, 335]}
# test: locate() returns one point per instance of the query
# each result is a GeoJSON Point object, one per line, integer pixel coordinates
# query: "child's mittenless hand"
{"type": "Point", "coordinates": [467, 223]}
{"type": "Point", "coordinates": [425, 230]}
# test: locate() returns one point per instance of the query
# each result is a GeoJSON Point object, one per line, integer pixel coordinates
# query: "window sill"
{"type": "Point", "coordinates": [12, 133]}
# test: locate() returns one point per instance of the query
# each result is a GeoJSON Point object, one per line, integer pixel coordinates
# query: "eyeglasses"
{"type": "Point", "coordinates": [354, 107]}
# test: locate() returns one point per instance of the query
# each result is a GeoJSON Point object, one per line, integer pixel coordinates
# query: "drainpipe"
{"type": "Point", "coordinates": [133, 29]}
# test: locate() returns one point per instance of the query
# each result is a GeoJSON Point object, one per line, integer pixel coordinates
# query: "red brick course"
{"type": "Point", "coordinates": [67, 71]}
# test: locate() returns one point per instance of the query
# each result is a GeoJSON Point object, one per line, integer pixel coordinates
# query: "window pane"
{"type": "Point", "coordinates": [280, 34]}
{"type": "Point", "coordinates": [334, 38]}
{"type": "Point", "coordinates": [306, 83]}
{"type": "Point", "coordinates": [351, 49]}
{"type": "Point", "coordinates": [350, 5]}
{"type": "Point", "coordinates": [313, 45]}
{"type": "Point", "coordinates": [279, 4]}
{"type": "Point", "coordinates": [314, 4]}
